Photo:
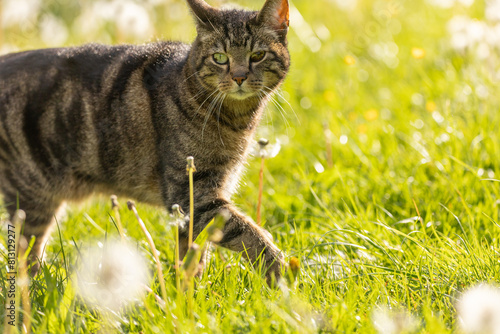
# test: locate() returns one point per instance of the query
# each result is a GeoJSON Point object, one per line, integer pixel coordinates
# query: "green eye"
{"type": "Point", "coordinates": [220, 58]}
{"type": "Point", "coordinates": [257, 56]}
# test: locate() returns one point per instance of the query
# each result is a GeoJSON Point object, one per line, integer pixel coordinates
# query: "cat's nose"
{"type": "Point", "coordinates": [239, 78]}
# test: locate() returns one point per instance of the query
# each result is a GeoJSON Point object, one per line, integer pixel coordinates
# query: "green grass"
{"type": "Point", "coordinates": [419, 136]}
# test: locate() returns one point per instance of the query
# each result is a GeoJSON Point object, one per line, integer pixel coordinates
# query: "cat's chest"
{"type": "Point", "coordinates": [219, 150]}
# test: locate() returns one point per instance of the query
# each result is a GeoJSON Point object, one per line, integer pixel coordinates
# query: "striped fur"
{"type": "Point", "coordinates": [123, 119]}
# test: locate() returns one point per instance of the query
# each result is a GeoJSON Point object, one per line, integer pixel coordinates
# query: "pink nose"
{"type": "Point", "coordinates": [239, 79]}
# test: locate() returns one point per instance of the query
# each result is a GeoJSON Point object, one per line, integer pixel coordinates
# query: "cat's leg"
{"type": "Point", "coordinates": [241, 234]}
{"type": "Point", "coordinates": [38, 224]}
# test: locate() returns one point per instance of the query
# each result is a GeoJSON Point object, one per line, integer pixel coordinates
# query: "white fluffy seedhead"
{"type": "Point", "coordinates": [479, 310]}
{"type": "Point", "coordinates": [112, 276]}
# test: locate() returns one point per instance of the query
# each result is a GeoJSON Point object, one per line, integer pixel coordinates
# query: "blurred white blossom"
{"type": "Point", "coordinates": [480, 37]}
{"type": "Point", "coordinates": [479, 310]}
{"type": "Point", "coordinates": [130, 18]}
{"type": "Point", "coordinates": [391, 322]}
{"type": "Point", "coordinates": [133, 20]}
{"type": "Point", "coordinates": [492, 10]}
{"type": "Point", "coordinates": [19, 12]}
{"type": "Point", "coordinates": [112, 275]}
{"type": "Point", "coordinates": [346, 4]}
{"type": "Point", "coordinates": [7, 48]}
{"type": "Point", "coordinates": [53, 31]}
{"type": "Point", "coordinates": [450, 3]}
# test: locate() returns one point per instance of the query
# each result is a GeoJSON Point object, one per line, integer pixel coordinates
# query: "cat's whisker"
{"type": "Point", "coordinates": [218, 118]}
{"type": "Point", "coordinates": [198, 94]}
{"type": "Point", "coordinates": [201, 105]}
{"type": "Point", "coordinates": [209, 112]}
{"type": "Point", "coordinates": [281, 110]}
{"type": "Point", "coordinates": [268, 114]}
{"type": "Point", "coordinates": [278, 92]}
{"type": "Point", "coordinates": [192, 75]}
{"type": "Point", "coordinates": [207, 116]}
{"type": "Point", "coordinates": [279, 105]}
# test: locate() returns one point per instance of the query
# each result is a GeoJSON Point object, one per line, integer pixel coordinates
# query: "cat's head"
{"type": "Point", "coordinates": [240, 53]}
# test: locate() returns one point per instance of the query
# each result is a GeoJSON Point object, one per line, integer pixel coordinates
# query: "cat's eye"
{"type": "Point", "coordinates": [257, 56]}
{"type": "Point", "coordinates": [220, 58]}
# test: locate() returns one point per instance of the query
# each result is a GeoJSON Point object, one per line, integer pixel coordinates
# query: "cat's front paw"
{"type": "Point", "coordinates": [275, 269]}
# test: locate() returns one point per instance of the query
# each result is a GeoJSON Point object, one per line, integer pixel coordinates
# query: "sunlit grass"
{"type": "Point", "coordinates": [406, 219]}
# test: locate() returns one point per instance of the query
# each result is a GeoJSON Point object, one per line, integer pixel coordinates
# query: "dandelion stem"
{"type": "Point", "coordinates": [190, 268]}
{"type": "Point", "coordinates": [263, 142]}
{"type": "Point", "coordinates": [23, 284]}
{"type": "Point", "coordinates": [131, 207]}
{"type": "Point", "coordinates": [191, 169]}
{"type": "Point", "coordinates": [115, 206]}
{"type": "Point", "coordinates": [158, 298]}
{"type": "Point", "coordinates": [176, 209]}
{"type": "Point", "coordinates": [328, 144]}
{"type": "Point", "coordinates": [261, 187]}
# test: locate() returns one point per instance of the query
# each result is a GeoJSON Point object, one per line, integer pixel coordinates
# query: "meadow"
{"type": "Point", "coordinates": [386, 187]}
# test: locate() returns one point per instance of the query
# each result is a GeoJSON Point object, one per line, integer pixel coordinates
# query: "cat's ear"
{"type": "Point", "coordinates": [203, 12]}
{"type": "Point", "coordinates": [275, 14]}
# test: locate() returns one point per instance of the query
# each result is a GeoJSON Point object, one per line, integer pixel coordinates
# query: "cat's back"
{"type": "Point", "coordinates": [88, 64]}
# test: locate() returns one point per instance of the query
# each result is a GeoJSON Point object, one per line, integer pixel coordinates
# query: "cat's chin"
{"type": "Point", "coordinates": [240, 95]}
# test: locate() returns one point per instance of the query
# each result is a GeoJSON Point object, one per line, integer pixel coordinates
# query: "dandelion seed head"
{"type": "Point", "coordinates": [112, 276]}
{"type": "Point", "coordinates": [479, 310]}
{"type": "Point", "coordinates": [264, 149]}
{"type": "Point", "coordinates": [178, 216]}
{"type": "Point", "coordinates": [390, 322]}
{"type": "Point", "coordinates": [343, 139]}
{"type": "Point", "coordinates": [319, 167]}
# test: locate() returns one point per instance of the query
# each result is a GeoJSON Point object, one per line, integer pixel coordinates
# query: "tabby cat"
{"type": "Point", "coordinates": [122, 119]}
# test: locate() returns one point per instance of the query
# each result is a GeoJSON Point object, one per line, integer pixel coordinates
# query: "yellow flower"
{"type": "Point", "coordinates": [349, 60]}
{"type": "Point", "coordinates": [371, 115]}
{"type": "Point", "coordinates": [329, 95]}
{"type": "Point", "coordinates": [430, 106]}
{"type": "Point", "coordinates": [362, 128]}
{"type": "Point", "coordinates": [418, 53]}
